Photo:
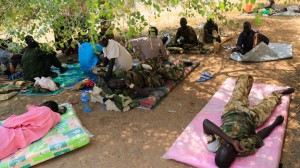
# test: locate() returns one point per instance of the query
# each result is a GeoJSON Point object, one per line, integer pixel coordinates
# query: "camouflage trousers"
{"type": "Point", "coordinates": [9, 88]}
{"type": "Point", "coordinates": [39, 89]}
{"type": "Point", "coordinates": [239, 101]}
{"type": "Point", "coordinates": [157, 75]}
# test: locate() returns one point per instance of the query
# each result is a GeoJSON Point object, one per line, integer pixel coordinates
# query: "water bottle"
{"type": "Point", "coordinates": [86, 106]}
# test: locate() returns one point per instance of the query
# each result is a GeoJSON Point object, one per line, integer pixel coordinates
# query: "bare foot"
{"type": "Point", "coordinates": [62, 110]}
{"type": "Point", "coordinates": [287, 91]}
{"type": "Point", "coordinates": [279, 120]}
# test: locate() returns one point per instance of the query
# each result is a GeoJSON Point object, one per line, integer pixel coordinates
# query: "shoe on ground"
{"type": "Point", "coordinates": [63, 69]}
{"type": "Point", "coordinates": [53, 74]}
{"type": "Point", "coordinates": [16, 75]}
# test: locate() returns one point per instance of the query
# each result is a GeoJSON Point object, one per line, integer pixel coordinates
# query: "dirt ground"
{"type": "Point", "coordinates": [139, 138]}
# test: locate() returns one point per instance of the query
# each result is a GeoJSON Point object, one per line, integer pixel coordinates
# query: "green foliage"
{"type": "Point", "coordinates": [258, 20]}
{"type": "Point", "coordinates": [72, 19]}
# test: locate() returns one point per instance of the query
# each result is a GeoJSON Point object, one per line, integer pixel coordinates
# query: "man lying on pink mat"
{"type": "Point", "coordinates": [20, 131]}
{"type": "Point", "coordinates": [236, 136]}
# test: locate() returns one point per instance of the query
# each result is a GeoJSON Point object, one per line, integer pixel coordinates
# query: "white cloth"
{"type": "Point", "coordinates": [45, 83]}
{"type": "Point", "coordinates": [110, 105]}
{"type": "Point", "coordinates": [95, 97]}
{"type": "Point", "coordinates": [214, 145]}
{"type": "Point", "coordinates": [123, 60]}
{"type": "Point", "coordinates": [146, 66]}
{"type": "Point", "coordinates": [293, 8]}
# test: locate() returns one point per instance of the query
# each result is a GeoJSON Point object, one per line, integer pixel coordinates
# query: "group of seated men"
{"type": "Point", "coordinates": [119, 59]}
{"type": "Point", "coordinates": [37, 63]}
{"type": "Point", "coordinates": [186, 36]}
{"type": "Point", "coordinates": [8, 60]}
{"type": "Point", "coordinates": [151, 72]}
{"type": "Point", "coordinates": [153, 53]}
{"type": "Point", "coordinates": [34, 61]}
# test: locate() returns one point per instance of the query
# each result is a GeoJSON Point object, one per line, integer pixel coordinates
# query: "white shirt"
{"type": "Point", "coordinates": [123, 60]}
{"type": "Point", "coordinates": [150, 47]}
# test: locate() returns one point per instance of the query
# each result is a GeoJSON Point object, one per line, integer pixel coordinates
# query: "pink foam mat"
{"type": "Point", "coordinates": [190, 147]}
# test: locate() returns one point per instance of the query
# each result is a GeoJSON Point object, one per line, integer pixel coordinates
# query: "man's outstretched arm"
{"type": "Point", "coordinates": [211, 128]}
{"type": "Point", "coordinates": [110, 69]}
{"type": "Point", "coordinates": [266, 131]}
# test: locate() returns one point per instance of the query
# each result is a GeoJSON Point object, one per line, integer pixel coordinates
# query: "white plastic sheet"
{"type": "Point", "coordinates": [263, 52]}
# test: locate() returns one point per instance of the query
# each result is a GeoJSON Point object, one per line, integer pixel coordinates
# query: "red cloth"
{"type": "Point", "coordinates": [20, 131]}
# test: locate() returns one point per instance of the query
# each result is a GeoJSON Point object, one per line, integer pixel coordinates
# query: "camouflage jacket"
{"type": "Point", "coordinates": [240, 126]}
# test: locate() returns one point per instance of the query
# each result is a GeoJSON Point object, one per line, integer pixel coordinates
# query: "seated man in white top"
{"type": "Point", "coordinates": [151, 46]}
{"type": "Point", "coordinates": [116, 55]}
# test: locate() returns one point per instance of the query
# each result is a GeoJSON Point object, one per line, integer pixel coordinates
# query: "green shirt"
{"type": "Point", "coordinates": [34, 63]}
{"type": "Point", "coordinates": [241, 127]}
{"type": "Point", "coordinates": [188, 34]}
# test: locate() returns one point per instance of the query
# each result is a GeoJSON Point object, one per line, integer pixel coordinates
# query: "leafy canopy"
{"type": "Point", "coordinates": [71, 18]}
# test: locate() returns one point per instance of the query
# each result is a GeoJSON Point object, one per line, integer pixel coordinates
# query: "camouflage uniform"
{"type": "Point", "coordinates": [39, 89]}
{"type": "Point", "coordinates": [240, 119]}
{"type": "Point", "coordinates": [117, 95]}
{"type": "Point", "coordinates": [153, 78]}
{"type": "Point", "coordinates": [188, 34]}
{"type": "Point", "coordinates": [9, 88]}
{"type": "Point", "coordinates": [142, 78]}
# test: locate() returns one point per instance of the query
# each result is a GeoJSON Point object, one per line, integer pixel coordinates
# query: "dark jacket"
{"type": "Point", "coordinates": [245, 41]}
{"type": "Point", "coordinates": [188, 34]}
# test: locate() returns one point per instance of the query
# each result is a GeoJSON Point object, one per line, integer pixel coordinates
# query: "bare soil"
{"type": "Point", "coordinates": [139, 138]}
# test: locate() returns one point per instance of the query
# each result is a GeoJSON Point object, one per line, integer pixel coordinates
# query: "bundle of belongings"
{"type": "Point", "coordinates": [13, 88]}
{"type": "Point", "coordinates": [292, 10]}
{"type": "Point", "coordinates": [44, 85]}
{"type": "Point", "coordinates": [113, 99]}
{"type": "Point", "coordinates": [83, 84]}
{"type": "Point", "coordinates": [41, 85]}
{"type": "Point", "coordinates": [120, 93]}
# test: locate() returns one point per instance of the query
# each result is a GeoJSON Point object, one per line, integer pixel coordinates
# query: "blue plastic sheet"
{"type": "Point", "coordinates": [87, 56]}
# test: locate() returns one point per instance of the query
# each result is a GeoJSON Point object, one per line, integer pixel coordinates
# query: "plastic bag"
{"type": "Point", "coordinates": [46, 83]}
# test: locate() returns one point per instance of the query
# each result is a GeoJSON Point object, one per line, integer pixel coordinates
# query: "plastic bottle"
{"type": "Point", "coordinates": [86, 106]}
